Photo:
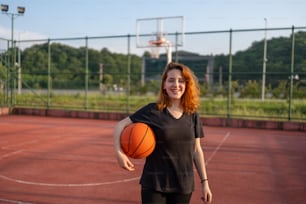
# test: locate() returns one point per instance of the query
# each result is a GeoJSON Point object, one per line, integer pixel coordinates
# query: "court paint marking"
{"type": "Point", "coordinates": [51, 184]}
{"type": "Point", "coordinates": [217, 148]}
{"type": "Point", "coordinates": [10, 154]}
{"type": "Point", "coordinates": [69, 185]}
{"type": "Point", "coordinates": [85, 184]}
{"type": "Point", "coordinates": [92, 184]}
{"type": "Point", "coordinates": [15, 201]}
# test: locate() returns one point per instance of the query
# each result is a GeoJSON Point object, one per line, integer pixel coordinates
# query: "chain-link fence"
{"type": "Point", "coordinates": [251, 73]}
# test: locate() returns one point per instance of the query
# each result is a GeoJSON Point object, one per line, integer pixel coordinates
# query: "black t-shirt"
{"type": "Point", "coordinates": [170, 167]}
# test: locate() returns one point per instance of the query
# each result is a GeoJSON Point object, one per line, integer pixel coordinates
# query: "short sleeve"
{"type": "Point", "coordinates": [143, 114]}
{"type": "Point", "coordinates": [199, 133]}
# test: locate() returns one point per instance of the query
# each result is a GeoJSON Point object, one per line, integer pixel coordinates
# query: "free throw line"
{"type": "Point", "coordinates": [217, 148]}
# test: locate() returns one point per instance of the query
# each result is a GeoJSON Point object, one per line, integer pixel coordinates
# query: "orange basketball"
{"type": "Point", "coordinates": [137, 140]}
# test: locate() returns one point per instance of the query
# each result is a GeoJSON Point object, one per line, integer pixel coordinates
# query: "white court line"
{"type": "Point", "coordinates": [101, 183]}
{"type": "Point", "coordinates": [15, 201]}
{"type": "Point", "coordinates": [68, 184]}
{"type": "Point", "coordinates": [55, 184]}
{"type": "Point", "coordinates": [11, 153]}
{"type": "Point", "coordinates": [217, 148]}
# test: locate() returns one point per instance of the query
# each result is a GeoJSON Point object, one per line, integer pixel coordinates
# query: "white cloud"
{"type": "Point", "coordinates": [20, 35]}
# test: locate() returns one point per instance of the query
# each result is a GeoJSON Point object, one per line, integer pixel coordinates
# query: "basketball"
{"type": "Point", "coordinates": [137, 140]}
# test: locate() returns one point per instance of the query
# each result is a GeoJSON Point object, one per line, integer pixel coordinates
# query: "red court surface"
{"type": "Point", "coordinates": [65, 160]}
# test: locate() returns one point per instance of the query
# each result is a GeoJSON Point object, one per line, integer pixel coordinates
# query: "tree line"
{"type": "Point", "coordinates": [68, 64]}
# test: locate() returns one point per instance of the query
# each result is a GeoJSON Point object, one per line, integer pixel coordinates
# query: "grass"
{"type": "Point", "coordinates": [239, 108]}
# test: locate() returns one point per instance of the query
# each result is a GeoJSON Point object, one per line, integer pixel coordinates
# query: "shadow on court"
{"type": "Point", "coordinates": [66, 160]}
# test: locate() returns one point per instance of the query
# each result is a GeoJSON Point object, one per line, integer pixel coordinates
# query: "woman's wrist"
{"type": "Point", "coordinates": [204, 180]}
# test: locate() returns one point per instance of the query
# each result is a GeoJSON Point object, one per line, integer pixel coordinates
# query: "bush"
{"type": "Point", "coordinates": [251, 90]}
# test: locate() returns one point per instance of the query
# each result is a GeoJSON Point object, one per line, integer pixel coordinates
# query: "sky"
{"type": "Point", "coordinates": [45, 19]}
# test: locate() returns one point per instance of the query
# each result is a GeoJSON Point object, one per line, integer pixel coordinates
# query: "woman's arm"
{"type": "Point", "coordinates": [199, 162]}
{"type": "Point", "coordinates": [122, 159]}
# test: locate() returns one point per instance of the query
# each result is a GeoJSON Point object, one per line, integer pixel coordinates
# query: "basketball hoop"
{"type": "Point", "coordinates": [159, 28]}
{"type": "Point", "coordinates": [154, 52]}
{"type": "Point", "coordinates": [155, 46]}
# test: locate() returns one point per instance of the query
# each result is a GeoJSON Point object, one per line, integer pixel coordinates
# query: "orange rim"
{"type": "Point", "coordinates": [157, 43]}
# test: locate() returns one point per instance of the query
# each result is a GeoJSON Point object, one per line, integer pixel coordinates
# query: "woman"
{"type": "Point", "coordinates": [168, 175]}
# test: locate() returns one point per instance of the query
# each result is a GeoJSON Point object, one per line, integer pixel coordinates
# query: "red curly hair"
{"type": "Point", "coordinates": [190, 100]}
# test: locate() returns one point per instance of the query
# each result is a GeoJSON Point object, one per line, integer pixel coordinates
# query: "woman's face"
{"type": "Point", "coordinates": [175, 84]}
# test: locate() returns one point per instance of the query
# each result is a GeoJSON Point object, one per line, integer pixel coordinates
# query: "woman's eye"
{"type": "Point", "coordinates": [174, 80]}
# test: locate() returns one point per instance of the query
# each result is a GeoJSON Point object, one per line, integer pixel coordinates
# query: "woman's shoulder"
{"type": "Point", "coordinates": [151, 106]}
{"type": "Point", "coordinates": [145, 113]}
{"type": "Point", "coordinates": [194, 116]}
{"type": "Point", "coordinates": [148, 107]}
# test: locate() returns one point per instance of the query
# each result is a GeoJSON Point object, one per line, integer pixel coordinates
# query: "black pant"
{"type": "Point", "coordinates": [149, 196]}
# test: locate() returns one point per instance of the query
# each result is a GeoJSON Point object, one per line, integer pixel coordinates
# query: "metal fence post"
{"type": "Point", "coordinates": [291, 74]}
{"type": "Point", "coordinates": [128, 74]}
{"type": "Point", "coordinates": [86, 73]}
{"type": "Point", "coordinates": [13, 75]}
{"type": "Point", "coordinates": [176, 47]}
{"type": "Point", "coordinates": [49, 75]}
{"type": "Point", "coordinates": [229, 77]}
{"type": "Point", "coordinates": [7, 82]}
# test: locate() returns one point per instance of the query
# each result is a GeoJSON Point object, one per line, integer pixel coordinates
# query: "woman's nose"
{"type": "Point", "coordinates": [176, 83]}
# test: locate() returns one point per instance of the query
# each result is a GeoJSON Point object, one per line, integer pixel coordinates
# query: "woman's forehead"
{"type": "Point", "coordinates": [174, 73]}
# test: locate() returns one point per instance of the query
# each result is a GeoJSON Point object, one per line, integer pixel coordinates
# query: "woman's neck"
{"type": "Point", "coordinates": [175, 104]}
{"type": "Point", "coordinates": [175, 110]}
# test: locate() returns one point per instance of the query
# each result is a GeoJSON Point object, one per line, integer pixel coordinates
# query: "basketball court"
{"type": "Point", "coordinates": [67, 160]}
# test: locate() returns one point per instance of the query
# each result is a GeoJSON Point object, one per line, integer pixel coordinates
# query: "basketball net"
{"type": "Point", "coordinates": [157, 44]}
{"type": "Point", "coordinates": [155, 47]}
{"type": "Point", "coordinates": [155, 52]}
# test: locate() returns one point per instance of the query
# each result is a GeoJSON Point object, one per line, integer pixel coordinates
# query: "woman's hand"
{"type": "Point", "coordinates": [206, 193]}
{"type": "Point", "coordinates": [124, 161]}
